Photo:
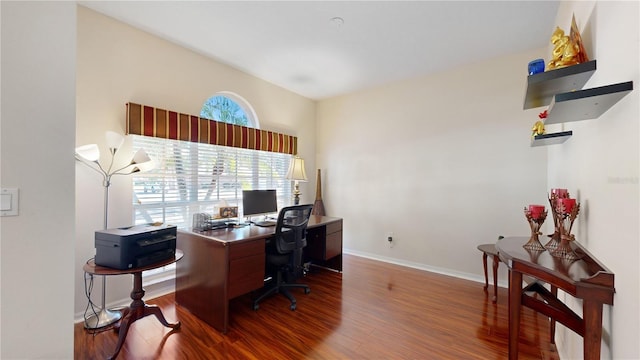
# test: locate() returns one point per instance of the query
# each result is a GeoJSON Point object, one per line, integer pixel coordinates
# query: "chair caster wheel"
{"type": "Point", "coordinates": [307, 290]}
{"type": "Point", "coordinates": [256, 307]}
{"type": "Point", "coordinates": [293, 307]}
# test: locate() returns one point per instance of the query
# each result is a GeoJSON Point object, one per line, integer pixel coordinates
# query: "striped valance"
{"type": "Point", "coordinates": [151, 121]}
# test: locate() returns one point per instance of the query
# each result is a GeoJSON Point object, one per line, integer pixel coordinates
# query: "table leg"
{"type": "Point", "coordinates": [123, 329]}
{"type": "Point", "coordinates": [484, 264]}
{"type": "Point", "coordinates": [137, 310]}
{"type": "Point", "coordinates": [552, 322]}
{"type": "Point", "coordinates": [592, 315]}
{"type": "Point", "coordinates": [496, 262]}
{"type": "Point", "coordinates": [515, 301]}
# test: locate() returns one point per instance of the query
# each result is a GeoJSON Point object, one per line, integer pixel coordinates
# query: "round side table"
{"type": "Point", "coordinates": [138, 309]}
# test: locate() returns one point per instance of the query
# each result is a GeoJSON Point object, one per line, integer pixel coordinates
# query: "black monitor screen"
{"type": "Point", "coordinates": [258, 202]}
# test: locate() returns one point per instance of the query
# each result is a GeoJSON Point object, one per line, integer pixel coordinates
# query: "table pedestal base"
{"type": "Point", "coordinates": [137, 310]}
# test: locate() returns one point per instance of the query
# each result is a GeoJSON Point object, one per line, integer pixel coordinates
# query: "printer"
{"type": "Point", "coordinates": [135, 246]}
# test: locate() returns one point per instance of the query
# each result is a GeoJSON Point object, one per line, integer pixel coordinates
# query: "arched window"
{"type": "Point", "coordinates": [194, 177]}
{"type": "Point", "coordinates": [229, 108]}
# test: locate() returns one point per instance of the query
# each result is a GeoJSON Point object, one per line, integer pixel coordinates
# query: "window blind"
{"type": "Point", "coordinates": [192, 177]}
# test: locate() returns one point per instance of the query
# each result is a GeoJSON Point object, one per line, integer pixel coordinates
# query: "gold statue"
{"type": "Point", "coordinates": [567, 50]}
{"type": "Point", "coordinates": [538, 127]}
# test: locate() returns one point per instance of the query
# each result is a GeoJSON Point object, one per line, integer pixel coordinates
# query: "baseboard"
{"type": "Point", "coordinates": [420, 266]}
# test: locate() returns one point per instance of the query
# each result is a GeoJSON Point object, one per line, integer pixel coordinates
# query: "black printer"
{"type": "Point", "coordinates": [135, 246]}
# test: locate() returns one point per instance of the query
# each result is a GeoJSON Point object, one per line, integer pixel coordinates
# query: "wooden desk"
{"type": "Point", "coordinates": [138, 309]}
{"type": "Point", "coordinates": [223, 264]}
{"type": "Point", "coordinates": [585, 279]}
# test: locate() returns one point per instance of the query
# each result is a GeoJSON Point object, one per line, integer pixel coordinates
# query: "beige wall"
{"type": "Point", "coordinates": [37, 140]}
{"type": "Point", "coordinates": [599, 166]}
{"type": "Point", "coordinates": [118, 64]}
{"type": "Point", "coordinates": [443, 162]}
{"type": "Point", "coordinates": [466, 148]}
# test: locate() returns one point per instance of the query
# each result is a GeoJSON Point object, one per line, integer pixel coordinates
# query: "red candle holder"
{"type": "Point", "coordinates": [535, 215]}
{"type": "Point", "coordinates": [566, 212]}
{"type": "Point", "coordinates": [553, 199]}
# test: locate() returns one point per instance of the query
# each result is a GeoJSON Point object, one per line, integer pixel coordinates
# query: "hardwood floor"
{"type": "Point", "coordinates": [373, 310]}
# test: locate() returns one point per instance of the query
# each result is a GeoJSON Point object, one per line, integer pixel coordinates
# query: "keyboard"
{"type": "Point", "coordinates": [265, 223]}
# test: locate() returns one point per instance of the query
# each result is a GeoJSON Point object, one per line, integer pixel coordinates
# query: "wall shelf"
{"type": "Point", "coordinates": [551, 139]}
{"type": "Point", "coordinates": [585, 104]}
{"type": "Point", "coordinates": [542, 87]}
{"type": "Point", "coordinates": [561, 90]}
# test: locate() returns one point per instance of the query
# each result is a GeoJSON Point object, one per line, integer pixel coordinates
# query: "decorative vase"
{"type": "Point", "coordinates": [566, 211]}
{"type": "Point", "coordinates": [535, 215]}
{"type": "Point", "coordinates": [318, 205]}
{"type": "Point", "coordinates": [553, 199]}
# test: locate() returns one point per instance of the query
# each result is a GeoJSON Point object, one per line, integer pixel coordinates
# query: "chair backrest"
{"type": "Point", "coordinates": [291, 228]}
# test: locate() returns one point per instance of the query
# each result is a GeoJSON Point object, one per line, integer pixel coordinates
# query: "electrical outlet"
{"type": "Point", "coordinates": [390, 240]}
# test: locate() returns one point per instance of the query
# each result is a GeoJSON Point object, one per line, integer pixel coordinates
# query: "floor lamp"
{"type": "Point", "coordinates": [90, 156]}
{"type": "Point", "coordinates": [296, 173]}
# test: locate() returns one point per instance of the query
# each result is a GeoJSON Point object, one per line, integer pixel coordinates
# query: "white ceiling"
{"type": "Point", "coordinates": [296, 45]}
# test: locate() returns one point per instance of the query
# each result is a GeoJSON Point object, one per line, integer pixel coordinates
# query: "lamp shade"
{"type": "Point", "coordinates": [140, 157]}
{"type": "Point", "coordinates": [88, 152]}
{"type": "Point", "coordinates": [114, 140]}
{"type": "Point", "coordinates": [296, 169]}
{"type": "Point", "coordinates": [142, 161]}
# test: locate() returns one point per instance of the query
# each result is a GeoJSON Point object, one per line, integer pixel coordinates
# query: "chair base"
{"type": "Point", "coordinates": [281, 288]}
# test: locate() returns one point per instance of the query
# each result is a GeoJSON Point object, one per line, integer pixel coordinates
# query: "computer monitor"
{"type": "Point", "coordinates": [259, 202]}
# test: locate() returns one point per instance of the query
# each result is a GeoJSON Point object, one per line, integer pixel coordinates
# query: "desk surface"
{"type": "Point", "coordinates": [566, 275]}
{"type": "Point", "coordinates": [253, 232]}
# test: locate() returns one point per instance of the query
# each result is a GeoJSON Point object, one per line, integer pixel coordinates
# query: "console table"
{"type": "Point", "coordinates": [138, 309]}
{"type": "Point", "coordinates": [490, 249]}
{"type": "Point", "coordinates": [226, 263]}
{"type": "Point", "coordinates": [585, 279]}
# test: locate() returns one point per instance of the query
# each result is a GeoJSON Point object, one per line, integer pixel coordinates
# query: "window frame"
{"type": "Point", "coordinates": [257, 180]}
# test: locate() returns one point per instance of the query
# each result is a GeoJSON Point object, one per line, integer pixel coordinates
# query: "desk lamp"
{"type": "Point", "coordinates": [296, 173]}
{"type": "Point", "coordinates": [90, 156]}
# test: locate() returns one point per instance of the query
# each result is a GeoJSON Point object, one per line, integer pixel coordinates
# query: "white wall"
{"type": "Point", "coordinates": [443, 162]}
{"type": "Point", "coordinates": [466, 145]}
{"type": "Point", "coordinates": [37, 141]}
{"type": "Point", "coordinates": [599, 166]}
{"type": "Point", "coordinates": [117, 64]}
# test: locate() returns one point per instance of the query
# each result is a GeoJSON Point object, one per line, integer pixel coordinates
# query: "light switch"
{"type": "Point", "coordinates": [9, 202]}
{"type": "Point", "coordinates": [5, 202]}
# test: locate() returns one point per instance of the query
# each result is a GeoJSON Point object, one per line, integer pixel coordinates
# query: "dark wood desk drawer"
{"type": "Point", "coordinates": [246, 267]}
{"type": "Point", "coordinates": [245, 275]}
{"type": "Point", "coordinates": [334, 245]}
{"type": "Point", "coordinates": [323, 245]}
{"type": "Point", "coordinates": [334, 227]}
{"type": "Point", "coordinates": [248, 248]}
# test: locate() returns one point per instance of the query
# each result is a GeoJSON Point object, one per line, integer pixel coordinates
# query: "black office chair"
{"type": "Point", "coordinates": [284, 252]}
